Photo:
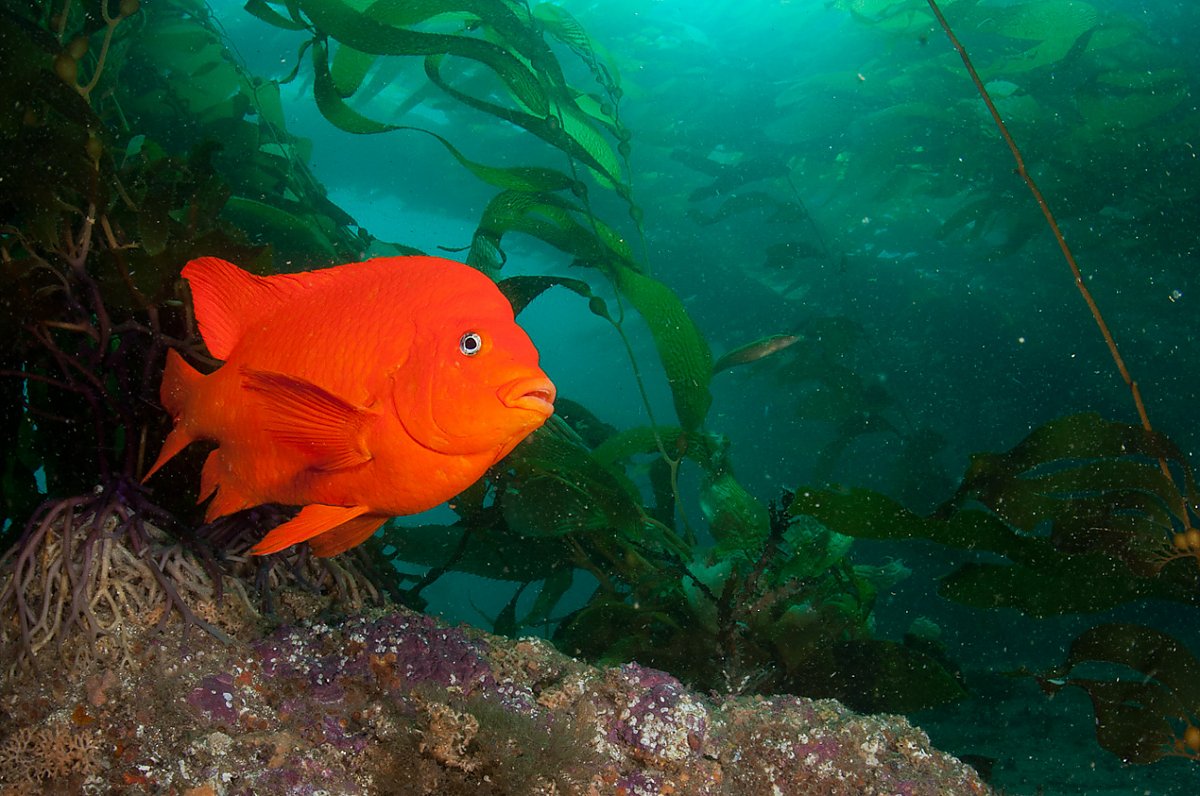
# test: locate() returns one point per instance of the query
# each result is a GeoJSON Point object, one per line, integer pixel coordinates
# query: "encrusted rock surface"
{"type": "Point", "coordinates": [392, 702]}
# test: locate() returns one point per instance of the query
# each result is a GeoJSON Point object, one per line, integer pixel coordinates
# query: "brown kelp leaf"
{"type": "Point", "coordinates": [349, 68]}
{"type": "Point", "coordinates": [330, 103]}
{"type": "Point", "coordinates": [1054, 584]}
{"type": "Point", "coordinates": [564, 27]}
{"type": "Point", "coordinates": [1137, 711]}
{"type": "Point", "coordinates": [870, 515]}
{"type": "Point", "coordinates": [549, 218]}
{"type": "Point", "coordinates": [516, 178]}
{"type": "Point", "coordinates": [608, 630]}
{"type": "Point", "coordinates": [1078, 508]}
{"type": "Point", "coordinates": [1098, 482]}
{"type": "Point", "coordinates": [262, 10]}
{"type": "Point", "coordinates": [1148, 651]}
{"type": "Point", "coordinates": [295, 238]}
{"type": "Point", "coordinates": [735, 517]}
{"type": "Point", "coordinates": [548, 128]}
{"type": "Point", "coordinates": [579, 127]}
{"type": "Point", "coordinates": [549, 596]}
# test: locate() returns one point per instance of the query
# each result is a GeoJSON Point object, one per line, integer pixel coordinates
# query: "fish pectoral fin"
{"type": "Point", "coordinates": [326, 430]}
{"type": "Point", "coordinates": [313, 519]}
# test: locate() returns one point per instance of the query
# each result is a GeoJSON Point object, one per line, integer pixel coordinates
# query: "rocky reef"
{"type": "Point", "coordinates": [388, 701]}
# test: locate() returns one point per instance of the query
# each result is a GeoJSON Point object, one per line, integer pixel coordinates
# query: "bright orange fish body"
{"type": "Point", "coordinates": [359, 392]}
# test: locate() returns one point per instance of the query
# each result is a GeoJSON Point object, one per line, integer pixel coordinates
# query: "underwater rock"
{"type": "Point", "coordinates": [389, 701]}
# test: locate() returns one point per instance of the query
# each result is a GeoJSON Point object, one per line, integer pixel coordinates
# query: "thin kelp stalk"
{"type": "Point", "coordinates": [1050, 219]}
{"type": "Point", "coordinates": [582, 47]}
{"type": "Point", "coordinates": [1184, 541]}
{"type": "Point", "coordinates": [673, 462]}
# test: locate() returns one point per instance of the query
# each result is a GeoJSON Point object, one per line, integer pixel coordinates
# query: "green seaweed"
{"type": "Point", "coordinates": [160, 193]}
{"type": "Point", "coordinates": [684, 353]}
{"type": "Point", "coordinates": [1079, 508]}
{"type": "Point", "coordinates": [1082, 516]}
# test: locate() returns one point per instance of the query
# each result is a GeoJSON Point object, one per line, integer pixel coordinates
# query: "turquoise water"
{"type": "Point", "coordinates": [876, 191]}
{"type": "Point", "coordinates": [829, 172]}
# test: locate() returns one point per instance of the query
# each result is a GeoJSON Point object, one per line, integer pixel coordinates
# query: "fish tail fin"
{"type": "Point", "coordinates": [179, 381]}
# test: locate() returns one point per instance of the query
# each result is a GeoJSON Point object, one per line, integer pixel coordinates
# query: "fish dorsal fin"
{"type": "Point", "coordinates": [325, 429]}
{"type": "Point", "coordinates": [313, 519]}
{"type": "Point", "coordinates": [228, 299]}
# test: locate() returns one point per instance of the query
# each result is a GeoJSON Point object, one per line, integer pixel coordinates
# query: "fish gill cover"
{"type": "Point", "coordinates": [793, 200]}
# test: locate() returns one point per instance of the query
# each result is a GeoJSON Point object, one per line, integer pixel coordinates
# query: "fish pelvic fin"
{"type": "Point", "coordinates": [179, 381]}
{"type": "Point", "coordinates": [327, 431]}
{"type": "Point", "coordinates": [348, 534]}
{"type": "Point", "coordinates": [312, 520]}
{"type": "Point", "coordinates": [228, 299]}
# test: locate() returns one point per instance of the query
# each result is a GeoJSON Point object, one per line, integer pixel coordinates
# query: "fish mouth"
{"type": "Point", "coordinates": [535, 394]}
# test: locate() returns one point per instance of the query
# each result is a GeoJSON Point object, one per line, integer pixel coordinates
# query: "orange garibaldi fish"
{"type": "Point", "coordinates": [359, 392]}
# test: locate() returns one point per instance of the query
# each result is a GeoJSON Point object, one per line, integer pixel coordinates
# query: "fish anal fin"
{"type": "Point", "coordinates": [229, 299]}
{"type": "Point", "coordinates": [348, 534]}
{"type": "Point", "coordinates": [325, 429]}
{"type": "Point", "coordinates": [313, 519]}
{"type": "Point", "coordinates": [210, 475]}
{"type": "Point", "coordinates": [227, 500]}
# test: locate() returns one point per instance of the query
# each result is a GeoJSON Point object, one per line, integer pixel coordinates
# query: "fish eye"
{"type": "Point", "coordinates": [470, 343]}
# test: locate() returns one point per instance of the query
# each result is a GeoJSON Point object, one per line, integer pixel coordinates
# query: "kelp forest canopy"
{"type": "Point", "coordinates": [814, 263]}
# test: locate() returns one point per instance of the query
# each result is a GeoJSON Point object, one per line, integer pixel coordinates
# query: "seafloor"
{"type": "Point", "coordinates": [337, 696]}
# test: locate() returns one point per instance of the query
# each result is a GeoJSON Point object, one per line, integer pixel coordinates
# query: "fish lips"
{"type": "Point", "coordinates": [535, 394]}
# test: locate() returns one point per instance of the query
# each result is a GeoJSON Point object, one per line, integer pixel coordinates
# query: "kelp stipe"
{"type": "Point", "coordinates": [1183, 538]}
{"type": "Point", "coordinates": [1024, 174]}
{"type": "Point", "coordinates": [512, 42]}
{"type": "Point", "coordinates": [115, 178]}
{"type": "Point", "coordinates": [1114, 512]}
